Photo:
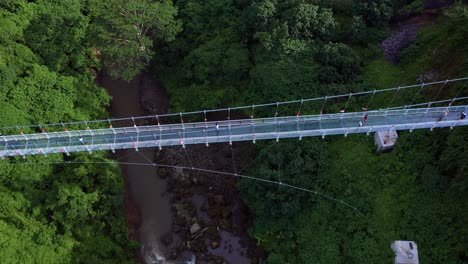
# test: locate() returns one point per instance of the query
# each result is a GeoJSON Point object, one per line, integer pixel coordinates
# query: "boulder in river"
{"type": "Point", "coordinates": [214, 244]}
{"type": "Point", "coordinates": [194, 228]}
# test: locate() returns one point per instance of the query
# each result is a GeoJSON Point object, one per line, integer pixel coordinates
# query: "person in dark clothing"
{"type": "Point", "coordinates": [366, 116]}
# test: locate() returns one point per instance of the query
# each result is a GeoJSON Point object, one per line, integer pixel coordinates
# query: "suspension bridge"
{"type": "Point", "coordinates": [106, 135]}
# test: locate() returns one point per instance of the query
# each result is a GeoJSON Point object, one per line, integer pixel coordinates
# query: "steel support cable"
{"type": "Point", "coordinates": [418, 92]}
{"type": "Point", "coordinates": [323, 106]}
{"type": "Point", "coordinates": [123, 156]}
{"type": "Point", "coordinates": [146, 158]}
{"type": "Point", "coordinates": [278, 161]}
{"type": "Point", "coordinates": [347, 102]}
{"type": "Point", "coordinates": [328, 197]}
{"type": "Point", "coordinates": [456, 96]}
{"type": "Point", "coordinates": [213, 155]}
{"type": "Point", "coordinates": [300, 108]}
{"type": "Point", "coordinates": [290, 120]}
{"type": "Point", "coordinates": [168, 156]}
{"type": "Point", "coordinates": [393, 97]}
{"type": "Point", "coordinates": [122, 136]}
{"type": "Point", "coordinates": [239, 107]}
{"type": "Point", "coordinates": [370, 100]}
{"type": "Point", "coordinates": [265, 123]}
{"type": "Point", "coordinates": [426, 103]}
{"type": "Point", "coordinates": [258, 156]}
{"type": "Point", "coordinates": [446, 110]}
{"type": "Point", "coordinates": [188, 157]}
{"type": "Point", "coordinates": [438, 92]}
{"type": "Point", "coordinates": [233, 160]}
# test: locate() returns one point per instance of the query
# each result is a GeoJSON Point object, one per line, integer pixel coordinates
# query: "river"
{"type": "Point", "coordinates": [146, 191]}
{"type": "Point", "coordinates": [217, 238]}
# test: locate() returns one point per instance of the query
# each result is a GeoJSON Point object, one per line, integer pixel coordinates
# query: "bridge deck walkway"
{"type": "Point", "coordinates": [229, 131]}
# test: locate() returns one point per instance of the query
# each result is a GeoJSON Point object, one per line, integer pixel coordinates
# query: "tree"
{"type": "Point", "coordinates": [50, 213]}
{"type": "Point", "coordinates": [307, 21]}
{"type": "Point", "coordinates": [126, 30]}
{"type": "Point", "coordinates": [339, 63]}
{"type": "Point", "coordinates": [44, 95]}
{"type": "Point", "coordinates": [376, 13]}
{"type": "Point", "coordinates": [57, 33]}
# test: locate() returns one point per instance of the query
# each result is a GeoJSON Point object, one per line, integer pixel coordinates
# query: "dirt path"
{"type": "Point", "coordinates": [147, 207]}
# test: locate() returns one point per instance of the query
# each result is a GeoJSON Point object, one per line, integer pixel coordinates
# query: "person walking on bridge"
{"type": "Point", "coordinates": [462, 115]}
{"type": "Point", "coordinates": [444, 115]}
{"type": "Point", "coordinates": [217, 129]}
{"type": "Point", "coordinates": [364, 120]}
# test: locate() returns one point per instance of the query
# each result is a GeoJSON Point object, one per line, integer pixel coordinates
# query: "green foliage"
{"type": "Point", "coordinates": [54, 214]}
{"type": "Point", "coordinates": [218, 60]}
{"type": "Point", "coordinates": [446, 39]}
{"type": "Point", "coordinates": [376, 13]}
{"type": "Point", "coordinates": [382, 73]}
{"type": "Point", "coordinates": [274, 24]}
{"type": "Point", "coordinates": [46, 96]}
{"type": "Point", "coordinates": [292, 49]}
{"type": "Point", "coordinates": [56, 34]}
{"type": "Point", "coordinates": [339, 64]}
{"type": "Point", "coordinates": [277, 50]}
{"type": "Point", "coordinates": [125, 31]}
{"type": "Point", "coordinates": [284, 78]}
{"type": "Point", "coordinates": [401, 199]}
{"type": "Point", "coordinates": [233, 52]}
{"type": "Point", "coordinates": [307, 21]}
{"type": "Point", "coordinates": [415, 7]}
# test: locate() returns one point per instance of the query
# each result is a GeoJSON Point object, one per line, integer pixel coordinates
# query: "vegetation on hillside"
{"type": "Point", "coordinates": [224, 53]}
{"type": "Point", "coordinates": [55, 213]}
{"type": "Point", "coordinates": [266, 51]}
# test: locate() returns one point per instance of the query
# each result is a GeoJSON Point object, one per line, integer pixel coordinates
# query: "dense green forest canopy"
{"type": "Point", "coordinates": [55, 214]}
{"type": "Point", "coordinates": [223, 53]}
{"type": "Point", "coordinates": [264, 51]}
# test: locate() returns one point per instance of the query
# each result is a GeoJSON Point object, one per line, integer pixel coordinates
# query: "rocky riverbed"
{"type": "Point", "coordinates": [405, 28]}
{"type": "Point", "coordinates": [179, 214]}
{"type": "Point", "coordinates": [210, 220]}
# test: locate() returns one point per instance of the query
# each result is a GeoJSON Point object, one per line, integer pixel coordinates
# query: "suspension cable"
{"type": "Point", "coordinates": [245, 107]}
{"type": "Point", "coordinates": [328, 197]}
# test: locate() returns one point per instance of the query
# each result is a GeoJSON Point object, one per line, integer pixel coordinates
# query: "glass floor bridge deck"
{"type": "Point", "coordinates": [230, 131]}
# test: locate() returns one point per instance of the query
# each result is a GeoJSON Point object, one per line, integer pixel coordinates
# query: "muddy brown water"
{"type": "Point", "coordinates": [146, 190]}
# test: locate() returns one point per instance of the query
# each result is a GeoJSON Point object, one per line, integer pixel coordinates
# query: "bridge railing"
{"type": "Point", "coordinates": [230, 130]}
